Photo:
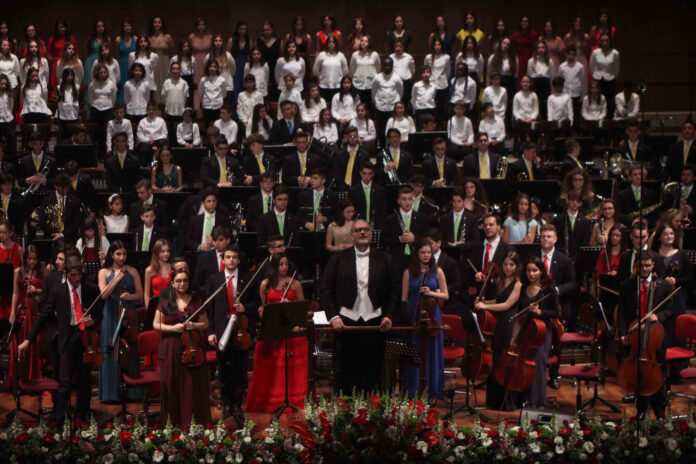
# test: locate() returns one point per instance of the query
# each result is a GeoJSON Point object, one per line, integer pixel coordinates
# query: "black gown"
{"type": "Point", "coordinates": [495, 393]}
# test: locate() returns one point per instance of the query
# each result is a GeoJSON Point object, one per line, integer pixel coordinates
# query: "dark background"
{"type": "Point", "coordinates": [656, 39]}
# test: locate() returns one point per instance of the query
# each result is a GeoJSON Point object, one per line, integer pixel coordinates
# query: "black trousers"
{"type": "Point", "coordinates": [8, 136]}
{"type": "Point", "coordinates": [102, 118]}
{"type": "Point", "coordinates": [542, 87]}
{"type": "Point", "coordinates": [358, 358]}
{"type": "Point", "coordinates": [232, 376]}
{"type": "Point", "coordinates": [608, 89]}
{"type": "Point", "coordinates": [70, 366]}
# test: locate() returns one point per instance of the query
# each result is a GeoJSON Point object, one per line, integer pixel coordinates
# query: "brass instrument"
{"type": "Point", "coordinates": [403, 226]}
{"type": "Point", "coordinates": [392, 175]}
{"type": "Point", "coordinates": [522, 176]}
{"type": "Point", "coordinates": [229, 174]}
{"type": "Point", "coordinates": [34, 187]}
{"type": "Point", "coordinates": [501, 168]}
{"type": "Point", "coordinates": [462, 228]}
{"type": "Point", "coordinates": [53, 217]}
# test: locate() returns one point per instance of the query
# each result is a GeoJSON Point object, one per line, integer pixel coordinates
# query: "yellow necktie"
{"type": "Point", "coordinates": [530, 169]}
{"type": "Point", "coordinates": [686, 151]}
{"type": "Point", "coordinates": [633, 151]}
{"type": "Point", "coordinates": [61, 204]}
{"type": "Point", "coordinates": [121, 159]}
{"type": "Point", "coordinates": [37, 163]}
{"type": "Point", "coordinates": [441, 168]}
{"type": "Point", "coordinates": [483, 167]}
{"type": "Point", "coordinates": [303, 164]}
{"type": "Point", "coordinates": [74, 185]}
{"type": "Point", "coordinates": [261, 168]}
{"type": "Point", "coordinates": [5, 202]}
{"type": "Point", "coordinates": [223, 170]}
{"type": "Point", "coordinates": [349, 169]}
{"type": "Point", "coordinates": [397, 157]}
{"type": "Point", "coordinates": [577, 161]}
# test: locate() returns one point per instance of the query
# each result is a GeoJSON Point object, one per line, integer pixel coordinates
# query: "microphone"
{"type": "Point", "coordinates": [642, 88]}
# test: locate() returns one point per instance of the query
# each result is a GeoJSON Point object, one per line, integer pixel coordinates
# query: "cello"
{"type": "Point", "coordinates": [480, 361]}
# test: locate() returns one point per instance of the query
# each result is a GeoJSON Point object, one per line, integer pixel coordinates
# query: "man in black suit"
{"type": "Point", "coordinates": [572, 227]}
{"type": "Point", "coordinates": [473, 161]}
{"type": "Point", "coordinates": [122, 167]}
{"type": "Point", "coordinates": [572, 158]}
{"type": "Point", "coordinates": [14, 206]}
{"type": "Point", "coordinates": [636, 196]}
{"type": "Point", "coordinates": [686, 192]}
{"type": "Point", "coordinates": [682, 152]}
{"type": "Point", "coordinates": [459, 227]}
{"type": "Point", "coordinates": [317, 204]}
{"type": "Point", "coordinates": [296, 167]}
{"type": "Point", "coordinates": [147, 233]}
{"type": "Point", "coordinates": [261, 203]}
{"type": "Point", "coordinates": [440, 170]}
{"type": "Point", "coordinates": [278, 221]}
{"type": "Point", "coordinates": [211, 262]}
{"type": "Point", "coordinates": [357, 289]}
{"type": "Point", "coordinates": [627, 261]}
{"type": "Point", "coordinates": [81, 186]}
{"type": "Point", "coordinates": [145, 197]}
{"type": "Point", "coordinates": [192, 206]}
{"type": "Point", "coordinates": [347, 162]}
{"type": "Point", "coordinates": [451, 269]}
{"type": "Point", "coordinates": [284, 129]}
{"type": "Point", "coordinates": [257, 161]}
{"type": "Point", "coordinates": [36, 167]}
{"type": "Point", "coordinates": [528, 166]}
{"type": "Point", "coordinates": [632, 147]}
{"type": "Point", "coordinates": [638, 296]}
{"type": "Point", "coordinates": [199, 235]}
{"type": "Point", "coordinates": [490, 249]}
{"type": "Point", "coordinates": [367, 192]}
{"type": "Point", "coordinates": [68, 302]}
{"type": "Point", "coordinates": [66, 220]}
{"type": "Point", "coordinates": [397, 160]}
{"type": "Point", "coordinates": [422, 204]}
{"type": "Point", "coordinates": [222, 169]}
{"type": "Point", "coordinates": [402, 229]}
{"type": "Point", "coordinates": [232, 363]}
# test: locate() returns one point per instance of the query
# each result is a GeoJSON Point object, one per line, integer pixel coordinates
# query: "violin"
{"type": "Point", "coordinates": [192, 355]}
{"type": "Point", "coordinates": [426, 308]}
{"type": "Point", "coordinates": [127, 333]}
{"type": "Point", "coordinates": [92, 357]}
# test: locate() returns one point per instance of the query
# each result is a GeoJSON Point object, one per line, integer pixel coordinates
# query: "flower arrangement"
{"type": "Point", "coordinates": [362, 429]}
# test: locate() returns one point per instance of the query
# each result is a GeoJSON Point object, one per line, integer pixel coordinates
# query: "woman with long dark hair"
{"type": "Point", "coordinates": [239, 46]}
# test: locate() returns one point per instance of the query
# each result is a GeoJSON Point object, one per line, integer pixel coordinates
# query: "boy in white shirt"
{"type": "Point", "coordinates": [290, 93]}
{"type": "Point", "coordinates": [152, 132]}
{"type": "Point", "coordinates": [460, 132]}
{"type": "Point", "coordinates": [496, 95]}
{"type": "Point", "coordinates": [188, 133]}
{"type": "Point", "coordinates": [227, 126]}
{"type": "Point", "coordinates": [423, 94]}
{"type": "Point", "coordinates": [494, 126]}
{"type": "Point", "coordinates": [116, 125]}
{"type": "Point", "coordinates": [559, 105]}
{"type": "Point", "coordinates": [574, 79]}
{"type": "Point", "coordinates": [404, 66]}
{"type": "Point", "coordinates": [247, 100]}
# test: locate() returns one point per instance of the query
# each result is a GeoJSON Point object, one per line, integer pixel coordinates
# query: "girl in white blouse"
{"type": "Point", "coordinates": [364, 66]}
{"type": "Point", "coordinates": [102, 96]}
{"type": "Point", "coordinates": [541, 70]}
{"type": "Point", "coordinates": [174, 93]}
{"type": "Point", "coordinates": [325, 130]}
{"type": "Point", "coordinates": [247, 100]}
{"type": "Point", "coordinates": [33, 97]}
{"type": "Point", "coordinates": [344, 104]}
{"type": "Point", "coordinates": [69, 59]}
{"type": "Point", "coordinates": [116, 222]}
{"type": "Point", "coordinates": [473, 59]}
{"type": "Point", "coordinates": [68, 110]}
{"type": "Point", "coordinates": [366, 128]}
{"type": "Point", "coordinates": [259, 69]}
{"type": "Point", "coordinates": [136, 93]}
{"type": "Point", "coordinates": [225, 61]}
{"type": "Point", "coordinates": [504, 62]}
{"type": "Point", "coordinates": [330, 67]}
{"type": "Point", "coordinates": [404, 66]}
{"type": "Point", "coordinates": [627, 103]}
{"type": "Point", "coordinates": [463, 86]}
{"type": "Point", "coordinates": [594, 105]}
{"type": "Point", "coordinates": [212, 89]}
{"type": "Point", "coordinates": [290, 63]}
{"type": "Point", "coordinates": [312, 105]}
{"type": "Point", "coordinates": [401, 121]}
{"type": "Point", "coordinates": [187, 63]}
{"type": "Point", "coordinates": [150, 61]}
{"type": "Point", "coordinates": [261, 122]}
{"type": "Point", "coordinates": [605, 64]}
{"type": "Point", "coordinates": [525, 105]}
{"type": "Point", "coordinates": [9, 64]}
{"type": "Point", "coordinates": [34, 60]}
{"type": "Point", "coordinates": [188, 134]}
{"type": "Point", "coordinates": [440, 68]}
{"type": "Point", "coordinates": [7, 110]}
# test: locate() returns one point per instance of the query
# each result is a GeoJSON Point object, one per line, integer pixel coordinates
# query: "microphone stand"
{"type": "Point", "coordinates": [642, 89]}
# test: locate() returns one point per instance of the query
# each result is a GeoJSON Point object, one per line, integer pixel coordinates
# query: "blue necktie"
{"type": "Point", "coordinates": [290, 126]}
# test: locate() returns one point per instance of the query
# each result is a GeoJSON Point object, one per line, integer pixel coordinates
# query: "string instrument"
{"type": "Point", "coordinates": [557, 327]}
{"type": "Point", "coordinates": [426, 308]}
{"type": "Point", "coordinates": [125, 335]}
{"type": "Point", "coordinates": [192, 355]}
{"type": "Point", "coordinates": [516, 367]}
{"type": "Point", "coordinates": [645, 339]}
{"type": "Point", "coordinates": [92, 357]}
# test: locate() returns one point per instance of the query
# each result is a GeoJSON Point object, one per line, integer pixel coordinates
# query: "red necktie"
{"type": "Point", "coordinates": [222, 264]}
{"type": "Point", "coordinates": [643, 299]}
{"type": "Point", "coordinates": [487, 257]}
{"type": "Point", "coordinates": [230, 297]}
{"type": "Point", "coordinates": [546, 263]}
{"type": "Point", "coordinates": [78, 309]}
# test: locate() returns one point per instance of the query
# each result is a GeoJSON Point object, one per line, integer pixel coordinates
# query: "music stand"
{"type": "Point", "coordinates": [546, 190]}
{"type": "Point", "coordinates": [279, 323]}
{"type": "Point", "coordinates": [6, 282]}
{"type": "Point", "coordinates": [85, 155]}
{"type": "Point", "coordinates": [689, 238]}
{"type": "Point", "coordinates": [422, 142]}
{"type": "Point", "coordinates": [525, 250]}
{"type": "Point", "coordinates": [125, 237]}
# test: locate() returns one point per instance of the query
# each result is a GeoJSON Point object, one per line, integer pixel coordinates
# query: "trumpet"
{"type": "Point", "coordinates": [34, 187]}
{"type": "Point", "coordinates": [229, 174]}
{"type": "Point", "coordinates": [392, 175]}
{"type": "Point", "coordinates": [501, 168]}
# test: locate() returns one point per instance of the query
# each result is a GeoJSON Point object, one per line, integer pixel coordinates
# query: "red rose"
{"type": "Point", "coordinates": [277, 451]}
{"type": "Point", "coordinates": [565, 431]}
{"type": "Point", "coordinates": [375, 401]}
{"type": "Point", "coordinates": [184, 452]}
{"type": "Point", "coordinates": [109, 425]}
{"type": "Point", "coordinates": [175, 437]}
{"type": "Point", "coordinates": [151, 436]}
{"type": "Point", "coordinates": [449, 433]}
{"type": "Point", "coordinates": [100, 438]}
{"type": "Point", "coordinates": [78, 423]}
{"type": "Point", "coordinates": [683, 427]}
{"type": "Point", "coordinates": [587, 432]}
{"type": "Point", "coordinates": [125, 437]}
{"type": "Point", "coordinates": [493, 433]}
{"type": "Point", "coordinates": [203, 440]}
{"type": "Point", "coordinates": [22, 438]}
{"type": "Point", "coordinates": [48, 438]}
{"type": "Point", "coordinates": [156, 427]}
{"type": "Point", "coordinates": [431, 418]}
{"type": "Point", "coordinates": [521, 433]}
{"type": "Point", "coordinates": [431, 438]}
{"type": "Point", "coordinates": [75, 440]}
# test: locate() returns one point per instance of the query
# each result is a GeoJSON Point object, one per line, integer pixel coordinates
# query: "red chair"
{"type": "Point", "coordinates": [455, 337]}
{"type": "Point", "coordinates": [148, 377]}
{"type": "Point", "coordinates": [684, 327]}
{"type": "Point", "coordinates": [35, 388]}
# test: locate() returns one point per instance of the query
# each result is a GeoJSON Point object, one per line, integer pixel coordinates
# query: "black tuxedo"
{"type": "Point", "coordinates": [72, 216]}
{"type": "Point", "coordinates": [268, 226]}
{"type": "Point", "coordinates": [391, 231]}
{"type": "Point", "coordinates": [643, 152]}
{"type": "Point", "coordinates": [340, 165]}
{"type": "Point", "coordinates": [675, 159]}
{"type": "Point", "coordinates": [122, 179]}
{"type": "Point", "coordinates": [17, 211]}
{"type": "Point", "coordinates": [627, 201]}
{"type": "Point", "coordinates": [292, 167]}
{"type": "Point", "coordinates": [327, 205]}
{"type": "Point", "coordinates": [432, 174]}
{"type": "Point", "coordinates": [135, 210]}
{"type": "Point", "coordinates": [569, 164]}
{"type": "Point", "coordinates": [476, 256]}
{"type": "Point", "coordinates": [675, 197]}
{"type": "Point", "coordinates": [578, 237]}
{"type": "Point", "coordinates": [84, 190]}
{"type": "Point", "coordinates": [195, 229]}
{"type": "Point", "coordinates": [454, 282]}
{"type": "Point", "coordinates": [155, 235]}
{"type": "Point", "coordinates": [472, 168]}
{"type": "Point", "coordinates": [189, 209]}
{"type": "Point", "coordinates": [405, 169]}
{"type": "Point", "coordinates": [470, 231]}
{"type": "Point", "coordinates": [518, 170]}
{"type": "Point", "coordinates": [280, 132]}
{"type": "Point", "coordinates": [563, 272]}
{"type": "Point", "coordinates": [624, 271]}
{"type": "Point", "coordinates": [207, 265]}
{"type": "Point", "coordinates": [251, 166]}
{"type": "Point", "coordinates": [426, 208]}
{"type": "Point", "coordinates": [27, 169]}
{"type": "Point", "coordinates": [254, 210]}
{"type": "Point", "coordinates": [378, 202]}
{"type": "Point", "coordinates": [210, 170]}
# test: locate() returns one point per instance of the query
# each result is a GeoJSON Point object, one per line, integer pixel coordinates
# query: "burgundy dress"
{"type": "Point", "coordinates": [185, 390]}
{"type": "Point", "coordinates": [33, 355]}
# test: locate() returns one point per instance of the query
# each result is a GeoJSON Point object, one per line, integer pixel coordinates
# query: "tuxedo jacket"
{"type": "Point", "coordinates": [629, 305]}
{"type": "Point", "coordinates": [189, 209]}
{"type": "Point", "coordinates": [254, 211]}
{"type": "Point", "coordinates": [643, 151]}
{"type": "Point", "coordinates": [17, 211]}
{"type": "Point", "coordinates": [327, 205]}
{"type": "Point", "coordinates": [26, 168]}
{"type": "Point", "coordinates": [207, 265]}
{"type": "Point", "coordinates": [675, 159]}
{"type": "Point", "coordinates": [468, 220]}
{"type": "Point", "coordinates": [519, 167]}
{"type": "Point", "coordinates": [340, 165]}
{"type": "Point", "coordinates": [292, 168]}
{"type": "Point", "coordinates": [72, 216]}
{"type": "Point", "coordinates": [454, 279]}
{"type": "Point", "coordinates": [427, 209]}
{"type": "Point", "coordinates": [391, 231]}
{"type": "Point", "coordinates": [251, 166]}
{"type": "Point", "coordinates": [569, 164]}
{"type": "Point", "coordinates": [405, 169]}
{"type": "Point", "coordinates": [157, 234]}
{"type": "Point", "coordinates": [674, 197]}
{"type": "Point", "coordinates": [627, 201]}
{"type": "Point", "coordinates": [268, 227]}
{"type": "Point", "coordinates": [563, 272]}
{"type": "Point", "coordinates": [624, 271]}
{"type": "Point", "coordinates": [431, 173]}
{"type": "Point", "coordinates": [59, 303]}
{"type": "Point", "coordinates": [122, 179]}
{"type": "Point", "coordinates": [477, 254]}
{"type": "Point", "coordinates": [378, 202]}
{"type": "Point", "coordinates": [195, 229]}
{"type": "Point", "coordinates": [578, 237]}
{"type": "Point", "coordinates": [217, 309]}
{"type": "Point", "coordinates": [280, 132]}
{"type": "Point", "coordinates": [161, 212]}
{"type": "Point", "coordinates": [210, 170]}
{"type": "Point", "coordinates": [339, 283]}
{"type": "Point", "coordinates": [471, 164]}
{"type": "Point", "coordinates": [46, 316]}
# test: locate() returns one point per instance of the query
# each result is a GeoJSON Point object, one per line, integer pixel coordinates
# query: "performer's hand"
{"type": "Point", "coordinates": [614, 272]}
{"type": "Point", "coordinates": [88, 321]}
{"type": "Point", "coordinates": [22, 348]}
{"type": "Point", "coordinates": [625, 340]}
{"type": "Point", "coordinates": [212, 340]}
{"type": "Point", "coordinates": [407, 237]}
{"type": "Point", "coordinates": [651, 318]}
{"type": "Point", "coordinates": [671, 281]}
{"type": "Point", "coordinates": [309, 226]}
{"type": "Point", "coordinates": [125, 296]}
{"type": "Point", "coordinates": [239, 307]}
{"type": "Point", "coordinates": [337, 324]}
{"type": "Point", "coordinates": [438, 183]}
{"type": "Point", "coordinates": [479, 277]}
{"type": "Point", "coordinates": [179, 328]}
{"type": "Point", "coordinates": [248, 180]}
{"type": "Point", "coordinates": [534, 309]}
{"type": "Point", "coordinates": [426, 291]}
{"type": "Point", "coordinates": [385, 324]}
{"type": "Point", "coordinates": [321, 218]}
{"type": "Point", "coordinates": [260, 311]}
{"type": "Point", "coordinates": [120, 274]}
{"type": "Point", "coordinates": [188, 325]}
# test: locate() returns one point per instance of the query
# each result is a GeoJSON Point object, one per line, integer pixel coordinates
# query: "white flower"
{"type": "Point", "coordinates": [678, 453]}
{"type": "Point", "coordinates": [108, 458]}
{"type": "Point", "coordinates": [589, 447]}
{"type": "Point", "coordinates": [423, 446]}
{"type": "Point", "coordinates": [549, 455]}
{"type": "Point", "coordinates": [603, 436]}
{"type": "Point", "coordinates": [3, 436]}
{"type": "Point", "coordinates": [239, 457]}
{"type": "Point", "coordinates": [560, 449]}
{"type": "Point", "coordinates": [643, 442]}
{"type": "Point", "coordinates": [582, 456]}
{"type": "Point", "coordinates": [268, 440]}
{"type": "Point", "coordinates": [459, 450]}
{"type": "Point", "coordinates": [534, 447]}
{"type": "Point", "coordinates": [209, 458]}
{"type": "Point", "coordinates": [132, 457]}
{"type": "Point", "coordinates": [558, 440]}
{"type": "Point", "coordinates": [247, 440]}
{"type": "Point", "coordinates": [671, 443]}
{"type": "Point", "coordinates": [460, 436]}
{"type": "Point", "coordinates": [487, 442]}
{"type": "Point", "coordinates": [299, 447]}
{"type": "Point", "coordinates": [157, 456]}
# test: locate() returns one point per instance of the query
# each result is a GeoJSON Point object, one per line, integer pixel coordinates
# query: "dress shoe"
{"type": "Point", "coordinates": [553, 383]}
{"type": "Point", "coordinates": [628, 399]}
{"type": "Point", "coordinates": [238, 415]}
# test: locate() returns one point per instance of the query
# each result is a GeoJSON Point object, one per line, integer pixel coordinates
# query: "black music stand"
{"type": "Point", "coordinates": [689, 238]}
{"type": "Point", "coordinates": [6, 282]}
{"type": "Point", "coordinates": [525, 250]}
{"type": "Point", "coordinates": [422, 142]}
{"type": "Point", "coordinates": [85, 155]}
{"type": "Point", "coordinates": [278, 323]}
{"type": "Point", "coordinates": [546, 190]}
{"type": "Point", "coordinates": [586, 260]}
{"type": "Point", "coordinates": [150, 313]}
{"type": "Point", "coordinates": [126, 237]}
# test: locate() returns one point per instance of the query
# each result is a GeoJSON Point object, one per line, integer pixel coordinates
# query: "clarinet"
{"type": "Point", "coordinates": [462, 229]}
{"type": "Point", "coordinates": [402, 225]}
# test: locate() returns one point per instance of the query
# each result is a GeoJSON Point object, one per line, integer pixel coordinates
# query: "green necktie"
{"type": "Point", "coordinates": [266, 205]}
{"type": "Point", "coordinates": [572, 222]}
{"type": "Point", "coordinates": [636, 193]}
{"type": "Point", "coordinates": [457, 220]}
{"type": "Point", "coordinates": [280, 224]}
{"type": "Point", "coordinates": [317, 200]}
{"type": "Point", "coordinates": [145, 246]}
{"type": "Point", "coordinates": [416, 203]}
{"type": "Point", "coordinates": [367, 203]}
{"type": "Point", "coordinates": [208, 225]}
{"type": "Point", "coordinates": [407, 225]}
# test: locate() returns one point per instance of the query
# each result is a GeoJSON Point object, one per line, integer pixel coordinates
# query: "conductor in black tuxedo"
{"type": "Point", "coordinates": [638, 296]}
{"type": "Point", "coordinates": [402, 228]}
{"type": "Point", "coordinates": [298, 166]}
{"type": "Point", "coordinates": [222, 169]}
{"type": "Point", "coordinates": [368, 193]}
{"type": "Point", "coordinates": [357, 289]}
{"type": "Point", "coordinates": [278, 221]}
{"type": "Point", "coordinates": [636, 196]}
{"type": "Point", "coordinates": [682, 152]}
{"type": "Point", "coordinates": [69, 301]}
{"type": "Point", "coordinates": [572, 227]}
{"type": "Point", "coordinates": [440, 170]}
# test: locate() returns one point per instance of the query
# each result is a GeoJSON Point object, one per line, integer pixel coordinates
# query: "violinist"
{"type": "Point", "coordinates": [491, 249]}
{"type": "Point", "coordinates": [675, 219]}
{"type": "Point", "coordinates": [630, 308]}
{"type": "Point", "coordinates": [608, 218]}
{"type": "Point", "coordinates": [507, 294]}
{"type": "Point", "coordinates": [121, 286]}
{"type": "Point", "coordinates": [423, 285]}
{"type": "Point", "coordinates": [610, 256]}
{"type": "Point", "coordinates": [267, 386]}
{"type": "Point", "coordinates": [185, 389]}
{"type": "Point", "coordinates": [232, 363]}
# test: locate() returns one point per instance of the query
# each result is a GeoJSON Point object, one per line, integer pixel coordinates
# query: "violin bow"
{"type": "Point", "coordinates": [91, 306]}
{"type": "Point", "coordinates": [289, 284]}
{"type": "Point", "coordinates": [527, 308]}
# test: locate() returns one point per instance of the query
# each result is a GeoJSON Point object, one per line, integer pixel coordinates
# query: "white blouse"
{"type": "Point", "coordinates": [497, 96]}
{"type": "Point", "coordinates": [626, 110]}
{"type": "Point", "coordinates": [345, 109]}
{"type": "Point", "coordinates": [330, 133]}
{"type": "Point", "coordinates": [574, 78]}
{"type": "Point", "coordinates": [261, 74]}
{"type": "Point", "coordinates": [6, 107]}
{"type": "Point", "coordinates": [78, 70]}
{"type": "Point", "coordinates": [68, 108]}
{"type": "Point", "coordinates": [188, 132]}
{"type": "Point", "coordinates": [212, 90]}
{"type": "Point", "coordinates": [136, 95]}
{"type": "Point", "coordinates": [311, 113]}
{"type": "Point", "coordinates": [440, 69]}
{"type": "Point", "coordinates": [475, 64]}
{"type": "Point", "coordinates": [33, 98]}
{"type": "Point", "coordinates": [261, 130]}
{"type": "Point", "coordinates": [525, 105]}
{"type": "Point", "coordinates": [187, 68]}
{"type": "Point", "coordinates": [11, 69]}
{"type": "Point", "coordinates": [228, 129]}
{"type": "Point", "coordinates": [149, 63]}
{"type": "Point", "coordinates": [404, 65]}
{"type": "Point", "coordinates": [505, 69]}
{"type": "Point", "coordinates": [422, 96]}
{"type": "Point", "coordinates": [387, 91]}
{"type": "Point", "coordinates": [364, 67]}
{"type": "Point", "coordinates": [174, 95]}
{"type": "Point", "coordinates": [330, 68]}
{"type": "Point", "coordinates": [591, 111]}
{"type": "Point", "coordinates": [102, 95]}
{"type": "Point", "coordinates": [294, 67]}
{"type": "Point", "coordinates": [460, 130]}
{"type": "Point", "coordinates": [44, 70]}
{"type": "Point", "coordinates": [113, 68]}
{"type": "Point", "coordinates": [116, 224]}
{"type": "Point", "coordinates": [228, 71]}
{"type": "Point", "coordinates": [246, 101]}
{"type": "Point", "coordinates": [495, 128]}
{"type": "Point", "coordinates": [539, 69]}
{"type": "Point", "coordinates": [152, 129]}
{"type": "Point", "coordinates": [605, 65]}
{"type": "Point", "coordinates": [366, 129]}
{"type": "Point", "coordinates": [463, 89]}
{"type": "Point", "coordinates": [559, 107]}
{"type": "Point", "coordinates": [405, 125]}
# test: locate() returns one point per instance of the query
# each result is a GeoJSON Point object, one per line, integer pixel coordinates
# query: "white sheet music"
{"type": "Point", "coordinates": [320, 318]}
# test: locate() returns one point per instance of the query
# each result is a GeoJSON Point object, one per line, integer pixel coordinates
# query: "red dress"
{"type": "Point", "coordinates": [159, 282]}
{"type": "Point", "coordinates": [32, 360]}
{"type": "Point", "coordinates": [601, 265]}
{"type": "Point", "coordinates": [526, 45]}
{"type": "Point", "coordinates": [55, 49]}
{"type": "Point", "coordinates": [267, 386]}
{"type": "Point", "coordinates": [10, 255]}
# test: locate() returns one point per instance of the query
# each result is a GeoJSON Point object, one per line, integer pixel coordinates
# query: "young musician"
{"type": "Point", "coordinates": [636, 196]}
{"type": "Point", "coordinates": [422, 204]}
{"type": "Point", "coordinates": [398, 160]}
{"type": "Point", "coordinates": [562, 269]}
{"type": "Point", "coordinates": [257, 162]}
{"type": "Point", "coordinates": [368, 197]}
{"type": "Point", "coordinates": [68, 216]}
{"type": "Point", "coordinates": [201, 226]}
{"type": "Point", "coordinates": [148, 232]}
{"type": "Point", "coordinates": [608, 218]}
{"type": "Point", "coordinates": [459, 227]}
{"type": "Point", "coordinates": [122, 167]}
{"type": "Point", "coordinates": [573, 228]}
{"type": "Point", "coordinates": [222, 169]}
{"type": "Point", "coordinates": [13, 205]}
{"type": "Point", "coordinates": [278, 221]}
{"type": "Point", "coordinates": [403, 228]}
{"type": "Point", "coordinates": [482, 163]}
{"type": "Point", "coordinates": [572, 159]}
{"type": "Point", "coordinates": [210, 262]}
{"type": "Point", "coordinates": [146, 196]}
{"type": "Point", "coordinates": [158, 274]}
{"type": "Point", "coordinates": [318, 203]}
{"type": "Point", "coordinates": [36, 167]}
{"type": "Point", "coordinates": [528, 166]}
{"type": "Point", "coordinates": [683, 151]}
{"type": "Point", "coordinates": [296, 167]}
{"type": "Point", "coordinates": [440, 170]}
{"type": "Point", "coordinates": [347, 162]}
{"type": "Point", "coordinates": [261, 203]}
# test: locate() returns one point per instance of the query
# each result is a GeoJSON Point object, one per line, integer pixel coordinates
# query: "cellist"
{"type": "Point", "coordinates": [630, 308]}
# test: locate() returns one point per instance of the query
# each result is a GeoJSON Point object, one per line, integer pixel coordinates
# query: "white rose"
{"type": "Point", "coordinates": [132, 457]}
{"type": "Point", "coordinates": [534, 447]}
{"type": "Point", "coordinates": [603, 436]}
{"type": "Point", "coordinates": [209, 458]}
{"type": "Point", "coordinates": [669, 426]}
{"type": "Point", "coordinates": [459, 450]}
{"type": "Point", "coordinates": [299, 447]}
{"type": "Point", "coordinates": [247, 440]}
{"type": "Point", "coordinates": [582, 456]}
{"type": "Point", "coordinates": [157, 456]}
{"type": "Point", "coordinates": [487, 442]}
{"type": "Point", "coordinates": [558, 440]}
{"type": "Point", "coordinates": [108, 458]}
{"type": "Point", "coordinates": [423, 446]}
{"type": "Point", "coordinates": [589, 447]}
{"type": "Point", "coordinates": [560, 449]}
{"type": "Point", "coordinates": [549, 455]}
{"type": "Point", "coordinates": [671, 444]}
{"type": "Point", "coordinates": [239, 457]}
{"type": "Point", "coordinates": [643, 442]}
{"type": "Point", "coordinates": [460, 436]}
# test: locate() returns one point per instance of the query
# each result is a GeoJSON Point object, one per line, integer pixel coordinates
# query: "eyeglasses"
{"type": "Point", "coordinates": [361, 229]}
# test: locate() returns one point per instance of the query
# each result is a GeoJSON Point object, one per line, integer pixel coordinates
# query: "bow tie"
{"type": "Point", "coordinates": [362, 254]}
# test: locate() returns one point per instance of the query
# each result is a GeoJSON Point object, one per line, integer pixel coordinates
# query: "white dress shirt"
{"type": "Point", "coordinates": [33, 98]}
{"type": "Point", "coordinates": [226, 72]}
{"type": "Point", "coordinates": [330, 67]}
{"type": "Point", "coordinates": [574, 78]}
{"type": "Point", "coordinates": [605, 65]}
{"type": "Point", "coordinates": [261, 130]}
{"type": "Point", "coordinates": [440, 69]}
{"type": "Point", "coordinates": [538, 68]}
{"type": "Point", "coordinates": [212, 90]}
{"type": "Point", "coordinates": [12, 69]}
{"type": "Point", "coordinates": [246, 101]}
{"type": "Point", "coordinates": [102, 95]}
{"type": "Point", "coordinates": [113, 69]}
{"type": "Point", "coordinates": [296, 67]}
{"type": "Point", "coordinates": [6, 107]}
{"type": "Point", "coordinates": [559, 107]}
{"type": "Point", "coordinates": [460, 130]}
{"type": "Point", "coordinates": [626, 110]}
{"type": "Point", "coordinates": [152, 129]}
{"type": "Point", "coordinates": [228, 129]}
{"type": "Point", "coordinates": [188, 68]}
{"type": "Point", "coordinates": [497, 95]}
{"type": "Point", "coordinates": [463, 88]}
{"type": "Point", "coordinates": [591, 111]}
{"type": "Point", "coordinates": [404, 66]}
{"type": "Point", "coordinates": [495, 128]}
{"type": "Point", "coordinates": [366, 128]}
{"type": "Point", "coordinates": [344, 108]}
{"type": "Point", "coordinates": [68, 106]}
{"type": "Point", "coordinates": [387, 91]}
{"type": "Point", "coordinates": [73, 318]}
{"type": "Point", "coordinates": [188, 132]}
{"type": "Point", "coordinates": [174, 94]}
{"type": "Point", "coordinates": [113, 127]}
{"type": "Point", "coordinates": [473, 63]}
{"type": "Point", "coordinates": [261, 74]}
{"type": "Point", "coordinates": [235, 279]}
{"type": "Point", "coordinates": [77, 67]}
{"type": "Point", "coordinates": [44, 70]}
{"type": "Point", "coordinates": [136, 94]}
{"type": "Point", "coordinates": [405, 125]}
{"type": "Point", "coordinates": [525, 105]}
{"type": "Point", "coordinates": [423, 96]}
{"type": "Point", "coordinates": [364, 67]}
{"type": "Point", "coordinates": [363, 305]}
{"type": "Point", "coordinates": [150, 64]}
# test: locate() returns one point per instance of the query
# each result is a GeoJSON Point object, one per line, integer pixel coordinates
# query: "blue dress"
{"type": "Point", "coordinates": [123, 52]}
{"type": "Point", "coordinates": [436, 359]}
{"type": "Point", "coordinates": [89, 61]}
{"type": "Point", "coordinates": [241, 57]}
{"type": "Point", "coordinates": [170, 180]}
{"type": "Point", "coordinates": [109, 374]}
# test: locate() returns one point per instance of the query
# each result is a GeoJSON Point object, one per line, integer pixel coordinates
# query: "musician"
{"type": "Point", "coordinates": [572, 226]}
{"type": "Point", "coordinates": [636, 196]}
{"type": "Point", "coordinates": [579, 181]}
{"type": "Point", "coordinates": [285, 129]}
{"type": "Point", "coordinates": [481, 164]}
{"type": "Point", "coordinates": [347, 162]}
{"type": "Point", "coordinates": [490, 249]}
{"type": "Point", "coordinates": [296, 167]}
{"type": "Point", "coordinates": [122, 167]}
{"type": "Point", "coordinates": [459, 227]}
{"type": "Point", "coordinates": [639, 240]}
{"type": "Point", "coordinates": [422, 204]}
{"type": "Point", "coordinates": [318, 203]}
{"type": "Point", "coordinates": [201, 226]}
{"type": "Point", "coordinates": [440, 170]}
{"type": "Point", "coordinates": [81, 186]}
{"type": "Point", "coordinates": [222, 169]}
{"type": "Point", "coordinates": [148, 232]}
{"type": "Point", "coordinates": [368, 197]}
{"type": "Point", "coordinates": [357, 289]}
{"type": "Point", "coordinates": [451, 269]}
{"type": "Point", "coordinates": [79, 136]}
{"type": "Point", "coordinates": [278, 221]}
{"type": "Point", "coordinates": [684, 197]}
{"type": "Point", "coordinates": [186, 389]}
{"type": "Point", "coordinates": [520, 227]}
{"type": "Point", "coordinates": [261, 203]}
{"type": "Point", "coordinates": [572, 159]}
{"type": "Point", "coordinates": [561, 268]}
{"type": "Point", "coordinates": [682, 152]}
{"type": "Point", "coordinates": [13, 206]}
{"type": "Point", "coordinates": [5, 166]}
{"type": "Point", "coordinates": [68, 217]}
{"type": "Point", "coordinates": [608, 218]}
{"type": "Point", "coordinates": [402, 229]}
{"type": "Point", "coordinates": [257, 161]}
{"type": "Point", "coordinates": [631, 307]}
{"type": "Point", "coordinates": [609, 258]}
{"type": "Point", "coordinates": [528, 166]}
{"type": "Point", "coordinates": [210, 262]}
{"type": "Point", "coordinates": [145, 197]}
{"type": "Point", "coordinates": [399, 160]}
{"type": "Point", "coordinates": [232, 363]}
{"type": "Point", "coordinates": [36, 167]}
{"type": "Point", "coordinates": [178, 263]}
{"type": "Point", "coordinates": [476, 200]}
{"type": "Point", "coordinates": [632, 148]}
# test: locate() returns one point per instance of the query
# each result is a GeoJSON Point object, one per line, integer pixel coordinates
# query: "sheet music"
{"type": "Point", "coordinates": [320, 318]}
{"type": "Point", "coordinates": [478, 329]}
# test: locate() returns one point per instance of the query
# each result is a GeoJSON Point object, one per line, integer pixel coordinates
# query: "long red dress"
{"type": "Point", "coordinates": [185, 390]}
{"type": "Point", "coordinates": [267, 386]}
{"type": "Point", "coordinates": [526, 44]}
{"type": "Point", "coordinates": [32, 361]}
{"type": "Point", "coordinates": [10, 255]}
{"type": "Point", "coordinates": [55, 49]}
